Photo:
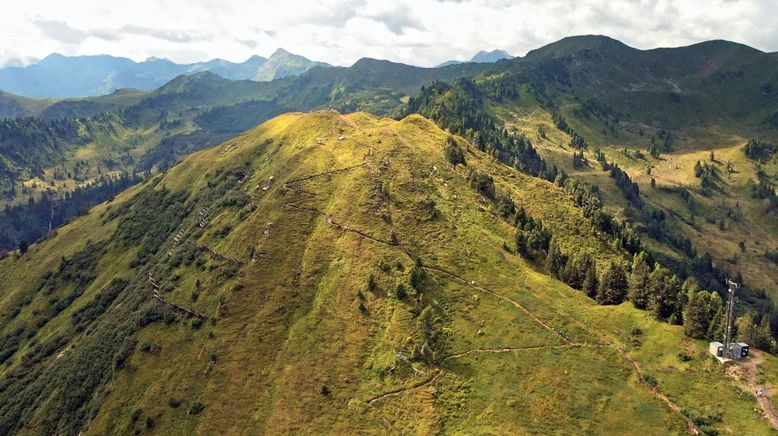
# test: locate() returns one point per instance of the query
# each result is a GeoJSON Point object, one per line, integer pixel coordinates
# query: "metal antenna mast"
{"type": "Point", "coordinates": [730, 313]}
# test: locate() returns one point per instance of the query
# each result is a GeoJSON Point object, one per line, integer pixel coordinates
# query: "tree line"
{"type": "Point", "coordinates": [29, 144]}
{"type": "Point", "coordinates": [647, 284]}
{"type": "Point", "coordinates": [25, 223]}
{"type": "Point", "coordinates": [454, 106]}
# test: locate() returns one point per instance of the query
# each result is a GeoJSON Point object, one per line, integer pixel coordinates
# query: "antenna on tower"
{"type": "Point", "coordinates": [733, 286]}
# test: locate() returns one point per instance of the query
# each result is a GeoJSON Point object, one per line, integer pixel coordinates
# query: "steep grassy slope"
{"type": "Point", "coordinates": [233, 294]}
{"type": "Point", "coordinates": [135, 132]}
{"type": "Point", "coordinates": [654, 113]}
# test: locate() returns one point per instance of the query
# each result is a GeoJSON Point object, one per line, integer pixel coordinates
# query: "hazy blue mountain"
{"type": "Point", "coordinates": [59, 76]}
{"type": "Point", "coordinates": [490, 56]}
{"type": "Point", "coordinates": [62, 76]}
{"type": "Point", "coordinates": [481, 57]}
{"type": "Point", "coordinates": [281, 64]}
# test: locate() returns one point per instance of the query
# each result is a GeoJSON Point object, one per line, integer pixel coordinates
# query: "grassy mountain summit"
{"type": "Point", "coordinates": [337, 273]}
{"type": "Point", "coordinates": [574, 44]}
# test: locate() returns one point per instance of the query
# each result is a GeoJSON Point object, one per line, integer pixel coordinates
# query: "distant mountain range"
{"type": "Point", "coordinates": [82, 76]}
{"type": "Point", "coordinates": [481, 57]}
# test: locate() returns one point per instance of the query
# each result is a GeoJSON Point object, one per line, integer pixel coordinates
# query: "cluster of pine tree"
{"type": "Point", "coordinates": [579, 161]}
{"type": "Point", "coordinates": [33, 143]}
{"type": "Point", "coordinates": [708, 175]}
{"type": "Point", "coordinates": [647, 284]}
{"type": "Point", "coordinates": [764, 190]}
{"type": "Point", "coordinates": [532, 239]}
{"type": "Point", "coordinates": [482, 182]}
{"type": "Point", "coordinates": [759, 150]}
{"type": "Point", "coordinates": [502, 87]}
{"type": "Point", "coordinates": [576, 140]}
{"type": "Point", "coordinates": [587, 198]}
{"type": "Point", "coordinates": [630, 189]}
{"type": "Point", "coordinates": [459, 107]}
{"type": "Point", "coordinates": [454, 152]}
{"type": "Point", "coordinates": [656, 227]}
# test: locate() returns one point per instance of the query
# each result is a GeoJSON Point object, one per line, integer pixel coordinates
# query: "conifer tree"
{"type": "Point", "coordinates": [573, 272]}
{"type": "Point", "coordinates": [590, 281]}
{"type": "Point", "coordinates": [613, 285]}
{"type": "Point", "coordinates": [554, 260]}
{"type": "Point", "coordinates": [664, 289]}
{"type": "Point", "coordinates": [638, 281]}
{"type": "Point", "coordinates": [696, 315]}
{"type": "Point", "coordinates": [521, 243]}
{"type": "Point", "coordinates": [417, 275]}
{"type": "Point", "coordinates": [454, 153]}
{"type": "Point", "coordinates": [717, 325]}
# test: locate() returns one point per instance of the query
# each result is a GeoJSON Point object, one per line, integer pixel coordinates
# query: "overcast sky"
{"type": "Point", "coordinates": [421, 32]}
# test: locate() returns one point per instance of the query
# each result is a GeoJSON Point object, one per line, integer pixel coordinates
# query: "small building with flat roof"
{"type": "Point", "coordinates": [716, 348]}
{"type": "Point", "coordinates": [736, 350]}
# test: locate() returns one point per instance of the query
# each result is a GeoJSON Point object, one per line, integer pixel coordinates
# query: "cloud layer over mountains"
{"type": "Point", "coordinates": [421, 32]}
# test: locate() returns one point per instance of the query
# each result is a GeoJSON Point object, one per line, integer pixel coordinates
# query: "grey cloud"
{"type": "Point", "coordinates": [336, 15]}
{"type": "Point", "coordinates": [106, 34]}
{"type": "Point", "coordinates": [131, 29]}
{"type": "Point", "coordinates": [399, 19]}
{"type": "Point", "coordinates": [250, 43]}
{"type": "Point", "coordinates": [172, 36]}
{"type": "Point", "coordinates": [60, 30]}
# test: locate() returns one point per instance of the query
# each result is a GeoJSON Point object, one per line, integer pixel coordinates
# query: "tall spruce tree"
{"type": "Point", "coordinates": [554, 259]}
{"type": "Point", "coordinates": [717, 325]}
{"type": "Point", "coordinates": [590, 280]}
{"type": "Point", "coordinates": [638, 281]}
{"type": "Point", "coordinates": [613, 285]}
{"type": "Point", "coordinates": [664, 289]}
{"type": "Point", "coordinates": [696, 315]}
{"type": "Point", "coordinates": [573, 273]}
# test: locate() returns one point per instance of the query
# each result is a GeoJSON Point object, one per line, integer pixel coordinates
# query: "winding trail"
{"type": "Point", "coordinates": [178, 308]}
{"type": "Point", "coordinates": [326, 173]}
{"type": "Point", "coordinates": [219, 256]}
{"type": "Point", "coordinates": [341, 226]}
{"type": "Point", "coordinates": [514, 349]}
{"type": "Point", "coordinates": [690, 426]}
{"type": "Point", "coordinates": [398, 391]}
{"type": "Point", "coordinates": [751, 372]}
{"type": "Point", "coordinates": [502, 297]}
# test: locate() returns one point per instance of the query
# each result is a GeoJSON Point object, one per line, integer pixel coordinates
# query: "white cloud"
{"type": "Point", "coordinates": [423, 32]}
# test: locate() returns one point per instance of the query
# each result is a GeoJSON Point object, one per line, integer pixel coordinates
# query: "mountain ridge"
{"type": "Point", "coordinates": [384, 295]}
{"type": "Point", "coordinates": [482, 56]}
{"type": "Point", "coordinates": [53, 76]}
